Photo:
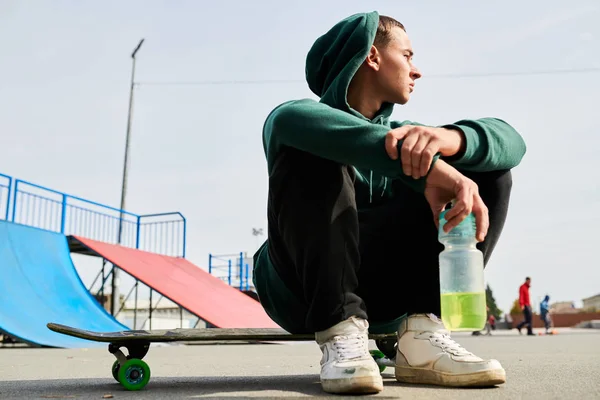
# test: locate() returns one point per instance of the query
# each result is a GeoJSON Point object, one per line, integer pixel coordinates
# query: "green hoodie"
{"type": "Point", "coordinates": [331, 129]}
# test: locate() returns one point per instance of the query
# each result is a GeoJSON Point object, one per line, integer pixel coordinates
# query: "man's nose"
{"type": "Point", "coordinates": [415, 73]}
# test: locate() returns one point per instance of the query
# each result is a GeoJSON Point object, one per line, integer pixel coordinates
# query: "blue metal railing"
{"type": "Point", "coordinates": [56, 211]}
{"type": "Point", "coordinates": [231, 268]}
{"type": "Point", "coordinates": [5, 189]}
{"type": "Point", "coordinates": [162, 225]}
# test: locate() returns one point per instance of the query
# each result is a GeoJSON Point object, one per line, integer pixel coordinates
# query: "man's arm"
{"type": "Point", "coordinates": [521, 297]}
{"type": "Point", "coordinates": [335, 135]}
{"type": "Point", "coordinates": [490, 144]}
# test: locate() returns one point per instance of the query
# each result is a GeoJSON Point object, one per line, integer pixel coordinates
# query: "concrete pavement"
{"type": "Point", "coordinates": [564, 366]}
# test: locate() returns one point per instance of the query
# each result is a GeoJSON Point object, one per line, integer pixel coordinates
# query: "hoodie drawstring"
{"type": "Point", "coordinates": [378, 120]}
{"type": "Point", "coordinates": [371, 188]}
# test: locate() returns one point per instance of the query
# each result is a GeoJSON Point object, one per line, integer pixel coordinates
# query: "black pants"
{"type": "Point", "coordinates": [379, 263]}
{"type": "Point", "coordinates": [527, 321]}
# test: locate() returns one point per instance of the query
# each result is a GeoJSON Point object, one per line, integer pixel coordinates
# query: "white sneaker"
{"type": "Point", "coordinates": [346, 365]}
{"type": "Point", "coordinates": [426, 354]}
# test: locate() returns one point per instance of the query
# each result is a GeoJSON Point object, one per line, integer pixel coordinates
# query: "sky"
{"type": "Point", "coordinates": [196, 147]}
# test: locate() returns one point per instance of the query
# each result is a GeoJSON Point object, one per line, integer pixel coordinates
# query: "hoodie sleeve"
{"type": "Point", "coordinates": [333, 134]}
{"type": "Point", "coordinates": [522, 295]}
{"type": "Point", "coordinates": [491, 144]}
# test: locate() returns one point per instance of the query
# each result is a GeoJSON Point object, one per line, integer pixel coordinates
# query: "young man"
{"type": "Point", "coordinates": [352, 210]}
{"type": "Point", "coordinates": [545, 313]}
{"type": "Point", "coordinates": [525, 303]}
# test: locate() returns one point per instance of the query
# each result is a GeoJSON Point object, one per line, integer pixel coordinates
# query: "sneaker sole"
{"type": "Point", "coordinates": [429, 377]}
{"type": "Point", "coordinates": [360, 384]}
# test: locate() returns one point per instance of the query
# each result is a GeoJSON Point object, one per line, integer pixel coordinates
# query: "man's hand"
{"type": "Point", "coordinates": [421, 144]}
{"type": "Point", "coordinates": [445, 184]}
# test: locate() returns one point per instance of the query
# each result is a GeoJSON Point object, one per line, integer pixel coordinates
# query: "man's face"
{"type": "Point", "coordinates": [397, 74]}
{"type": "Point", "coordinates": [528, 281]}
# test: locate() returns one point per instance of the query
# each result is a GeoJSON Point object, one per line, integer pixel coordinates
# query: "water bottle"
{"type": "Point", "coordinates": [462, 288]}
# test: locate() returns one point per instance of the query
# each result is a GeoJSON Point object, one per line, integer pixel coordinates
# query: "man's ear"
{"type": "Point", "coordinates": [373, 59]}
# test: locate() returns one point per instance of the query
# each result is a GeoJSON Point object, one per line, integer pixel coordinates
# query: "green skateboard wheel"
{"type": "Point", "coordinates": [377, 355]}
{"type": "Point", "coordinates": [134, 374]}
{"type": "Point", "coordinates": [115, 370]}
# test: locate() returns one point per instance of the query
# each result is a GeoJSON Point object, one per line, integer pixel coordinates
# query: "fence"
{"type": "Point", "coordinates": [559, 320]}
{"type": "Point", "coordinates": [45, 208]}
{"type": "Point", "coordinates": [5, 188]}
{"type": "Point", "coordinates": [234, 269]}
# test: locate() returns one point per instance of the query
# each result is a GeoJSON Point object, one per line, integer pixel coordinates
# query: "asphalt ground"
{"type": "Point", "coordinates": [562, 366]}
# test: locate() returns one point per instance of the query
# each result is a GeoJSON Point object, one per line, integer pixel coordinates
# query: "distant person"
{"type": "Point", "coordinates": [353, 203]}
{"type": "Point", "coordinates": [545, 313]}
{"type": "Point", "coordinates": [492, 322]}
{"type": "Point", "coordinates": [525, 303]}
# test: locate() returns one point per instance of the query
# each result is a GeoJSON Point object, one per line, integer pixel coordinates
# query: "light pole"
{"type": "Point", "coordinates": [115, 276]}
{"type": "Point", "coordinates": [256, 233]}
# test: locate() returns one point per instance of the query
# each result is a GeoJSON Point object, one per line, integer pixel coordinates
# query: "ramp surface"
{"type": "Point", "coordinates": [39, 284]}
{"type": "Point", "coordinates": [185, 284]}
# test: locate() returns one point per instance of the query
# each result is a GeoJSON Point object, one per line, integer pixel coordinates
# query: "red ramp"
{"type": "Point", "coordinates": [187, 285]}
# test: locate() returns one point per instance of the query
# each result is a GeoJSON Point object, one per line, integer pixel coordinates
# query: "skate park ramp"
{"type": "Point", "coordinates": [39, 284]}
{"type": "Point", "coordinates": [183, 283]}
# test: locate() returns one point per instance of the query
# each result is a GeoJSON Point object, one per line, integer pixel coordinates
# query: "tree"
{"type": "Point", "coordinates": [491, 303]}
{"type": "Point", "coordinates": [516, 308]}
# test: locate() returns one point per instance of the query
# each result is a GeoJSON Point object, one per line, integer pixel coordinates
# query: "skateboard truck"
{"type": "Point", "coordinates": [129, 370]}
{"type": "Point", "coordinates": [387, 347]}
{"type": "Point", "coordinates": [134, 350]}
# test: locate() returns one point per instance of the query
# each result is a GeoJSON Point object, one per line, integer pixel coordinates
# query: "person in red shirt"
{"type": "Point", "coordinates": [525, 303]}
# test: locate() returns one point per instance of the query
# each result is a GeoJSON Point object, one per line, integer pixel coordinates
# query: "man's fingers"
{"type": "Point", "coordinates": [417, 154]}
{"type": "Point", "coordinates": [462, 207]}
{"type": "Point", "coordinates": [468, 201]}
{"type": "Point", "coordinates": [427, 157]}
{"type": "Point", "coordinates": [406, 153]}
{"type": "Point", "coordinates": [391, 146]}
{"type": "Point", "coordinates": [453, 212]}
{"type": "Point", "coordinates": [455, 219]}
{"type": "Point", "coordinates": [391, 141]}
{"type": "Point", "coordinates": [436, 216]}
{"type": "Point", "coordinates": [461, 204]}
{"type": "Point", "coordinates": [452, 216]}
{"type": "Point", "coordinates": [482, 220]}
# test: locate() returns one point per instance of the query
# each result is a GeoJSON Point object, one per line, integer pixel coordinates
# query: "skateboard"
{"type": "Point", "coordinates": [134, 374]}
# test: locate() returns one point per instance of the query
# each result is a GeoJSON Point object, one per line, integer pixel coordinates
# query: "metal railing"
{"type": "Point", "coordinates": [5, 189]}
{"type": "Point", "coordinates": [234, 269]}
{"type": "Point", "coordinates": [152, 227]}
{"type": "Point", "coordinates": [49, 209]}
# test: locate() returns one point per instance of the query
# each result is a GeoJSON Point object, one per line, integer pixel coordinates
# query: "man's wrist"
{"type": "Point", "coordinates": [458, 140]}
{"type": "Point", "coordinates": [443, 175]}
{"type": "Point", "coordinates": [461, 140]}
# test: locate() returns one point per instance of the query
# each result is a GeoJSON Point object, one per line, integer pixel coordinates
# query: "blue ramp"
{"type": "Point", "coordinates": [39, 284]}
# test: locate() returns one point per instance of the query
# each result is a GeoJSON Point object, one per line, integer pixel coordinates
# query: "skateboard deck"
{"type": "Point", "coordinates": [192, 335]}
{"type": "Point", "coordinates": [134, 374]}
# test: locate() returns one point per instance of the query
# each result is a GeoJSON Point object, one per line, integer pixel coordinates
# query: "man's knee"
{"type": "Point", "coordinates": [503, 180]}
{"type": "Point", "coordinates": [497, 183]}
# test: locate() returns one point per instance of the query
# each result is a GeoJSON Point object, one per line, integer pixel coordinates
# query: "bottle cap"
{"type": "Point", "coordinates": [467, 227]}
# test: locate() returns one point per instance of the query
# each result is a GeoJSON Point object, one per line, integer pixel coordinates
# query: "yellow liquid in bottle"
{"type": "Point", "coordinates": [464, 311]}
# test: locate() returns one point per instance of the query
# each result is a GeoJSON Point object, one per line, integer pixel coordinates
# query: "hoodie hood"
{"type": "Point", "coordinates": [335, 57]}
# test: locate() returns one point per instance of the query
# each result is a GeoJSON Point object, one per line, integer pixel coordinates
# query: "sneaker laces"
{"type": "Point", "coordinates": [442, 337]}
{"type": "Point", "coordinates": [349, 347]}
